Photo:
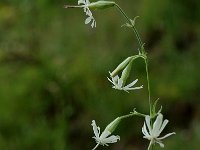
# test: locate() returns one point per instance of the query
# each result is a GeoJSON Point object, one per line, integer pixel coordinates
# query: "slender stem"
{"type": "Point", "coordinates": [148, 84]}
{"type": "Point", "coordinates": [126, 116]}
{"type": "Point", "coordinates": [141, 46]}
{"type": "Point", "coordinates": [133, 26]}
{"type": "Point", "coordinates": [72, 6]}
{"type": "Point", "coordinates": [134, 113]}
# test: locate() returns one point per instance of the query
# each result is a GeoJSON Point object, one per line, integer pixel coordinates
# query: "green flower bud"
{"type": "Point", "coordinates": [101, 4]}
{"type": "Point", "coordinates": [121, 66]}
{"type": "Point", "coordinates": [125, 73]}
{"type": "Point", "coordinates": [112, 126]}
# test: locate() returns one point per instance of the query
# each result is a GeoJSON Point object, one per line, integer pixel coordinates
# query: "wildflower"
{"type": "Point", "coordinates": [103, 139]}
{"type": "Point", "coordinates": [87, 11]}
{"type": "Point", "coordinates": [118, 84]}
{"type": "Point", "coordinates": [85, 5]}
{"type": "Point", "coordinates": [153, 134]}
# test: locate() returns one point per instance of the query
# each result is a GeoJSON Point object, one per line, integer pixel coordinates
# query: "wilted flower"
{"type": "Point", "coordinates": [103, 139]}
{"type": "Point", "coordinates": [86, 9]}
{"type": "Point", "coordinates": [154, 132]}
{"type": "Point", "coordinates": [85, 4]}
{"type": "Point", "coordinates": [118, 84]}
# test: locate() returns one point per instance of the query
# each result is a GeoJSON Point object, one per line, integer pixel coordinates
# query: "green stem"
{"type": "Point", "coordinates": [134, 113]}
{"type": "Point", "coordinates": [142, 50]}
{"type": "Point", "coordinates": [148, 83]}
{"type": "Point", "coordinates": [133, 26]}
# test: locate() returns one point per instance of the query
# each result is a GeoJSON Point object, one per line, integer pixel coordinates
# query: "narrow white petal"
{"type": "Point", "coordinates": [120, 82]}
{"type": "Point", "coordinates": [87, 1]}
{"type": "Point", "coordinates": [157, 124]}
{"type": "Point", "coordinates": [135, 88]}
{"type": "Point", "coordinates": [81, 2]}
{"type": "Point", "coordinates": [144, 131]}
{"type": "Point", "coordinates": [87, 20]}
{"type": "Point", "coordinates": [167, 135]}
{"type": "Point", "coordinates": [88, 12]}
{"type": "Point", "coordinates": [111, 139]}
{"type": "Point", "coordinates": [116, 79]}
{"type": "Point", "coordinates": [131, 84]}
{"type": "Point", "coordinates": [95, 129]}
{"type": "Point", "coordinates": [147, 119]}
{"type": "Point", "coordinates": [163, 125]}
{"type": "Point", "coordinates": [110, 81]}
{"type": "Point", "coordinates": [93, 23]}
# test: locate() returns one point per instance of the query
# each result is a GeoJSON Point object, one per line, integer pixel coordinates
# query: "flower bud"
{"type": "Point", "coordinates": [121, 66]}
{"type": "Point", "coordinates": [112, 126]}
{"type": "Point", "coordinates": [101, 4]}
{"type": "Point", "coordinates": [125, 73]}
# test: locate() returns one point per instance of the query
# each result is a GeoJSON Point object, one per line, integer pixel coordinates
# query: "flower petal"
{"type": "Point", "coordinates": [145, 132]}
{"type": "Point", "coordinates": [135, 88]}
{"type": "Point", "coordinates": [157, 124]}
{"type": "Point", "coordinates": [163, 125]}
{"type": "Point", "coordinates": [131, 84]}
{"type": "Point", "coordinates": [115, 79]}
{"type": "Point", "coordinates": [87, 20]}
{"type": "Point", "coordinates": [87, 1]}
{"type": "Point", "coordinates": [81, 2]}
{"type": "Point", "coordinates": [111, 139]}
{"type": "Point", "coordinates": [147, 119]}
{"type": "Point", "coordinates": [95, 129]}
{"type": "Point", "coordinates": [110, 80]}
{"type": "Point", "coordinates": [120, 83]}
{"type": "Point", "coordinates": [93, 23]}
{"type": "Point", "coordinates": [167, 135]}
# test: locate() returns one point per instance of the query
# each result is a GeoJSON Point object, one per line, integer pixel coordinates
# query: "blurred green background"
{"type": "Point", "coordinates": [53, 71]}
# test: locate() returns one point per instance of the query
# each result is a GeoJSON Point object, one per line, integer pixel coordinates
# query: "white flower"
{"type": "Point", "coordinates": [118, 84]}
{"type": "Point", "coordinates": [90, 18]}
{"type": "Point", "coordinates": [153, 134]}
{"type": "Point", "coordinates": [103, 139]}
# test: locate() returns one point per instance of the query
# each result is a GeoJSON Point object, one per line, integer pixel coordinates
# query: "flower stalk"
{"type": "Point", "coordinates": [150, 130]}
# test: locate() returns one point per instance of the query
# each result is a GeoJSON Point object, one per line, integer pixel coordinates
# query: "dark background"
{"type": "Point", "coordinates": [53, 71]}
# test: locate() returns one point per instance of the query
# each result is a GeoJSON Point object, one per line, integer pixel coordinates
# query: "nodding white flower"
{"type": "Point", "coordinates": [154, 132]}
{"type": "Point", "coordinates": [103, 139]}
{"type": "Point", "coordinates": [118, 84]}
{"type": "Point", "coordinates": [90, 18]}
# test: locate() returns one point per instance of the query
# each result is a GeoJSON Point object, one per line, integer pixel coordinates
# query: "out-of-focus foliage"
{"type": "Point", "coordinates": [53, 72]}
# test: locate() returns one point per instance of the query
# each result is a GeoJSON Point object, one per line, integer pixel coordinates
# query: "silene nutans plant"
{"type": "Point", "coordinates": [153, 122]}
